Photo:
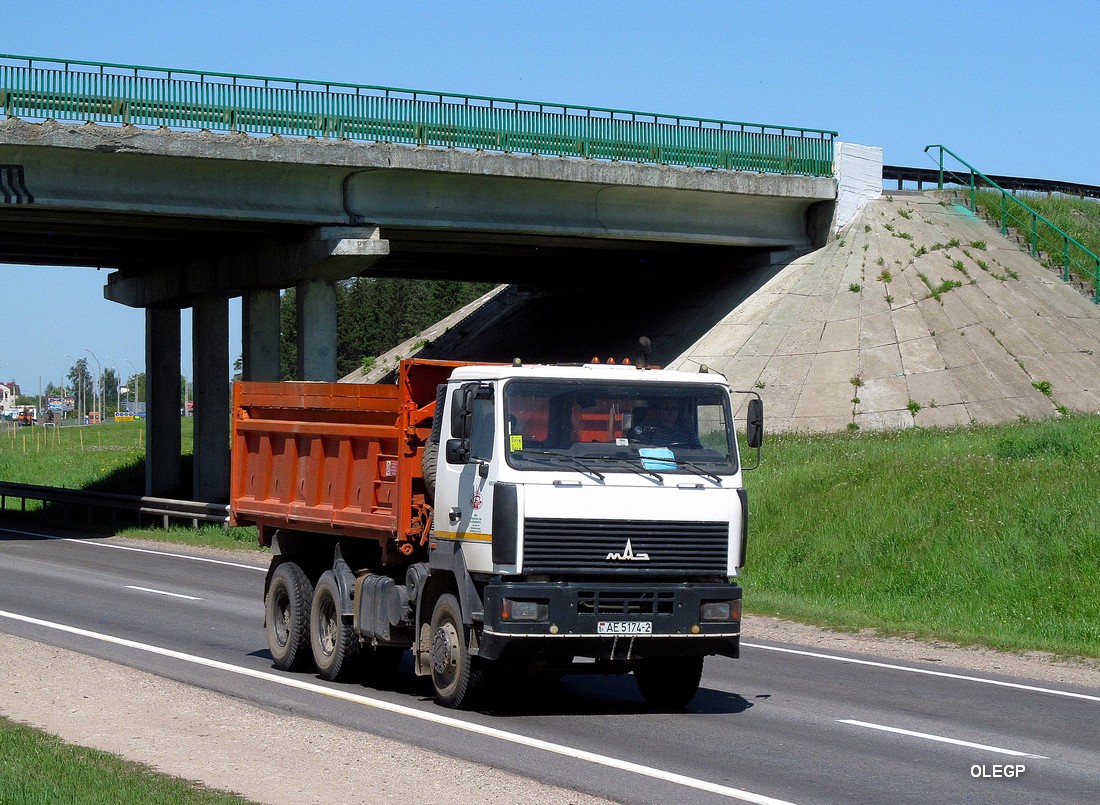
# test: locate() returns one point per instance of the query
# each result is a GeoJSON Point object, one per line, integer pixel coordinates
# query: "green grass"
{"type": "Point", "coordinates": [986, 535]}
{"type": "Point", "coordinates": [102, 458]}
{"type": "Point", "coordinates": [105, 458]}
{"type": "Point", "coordinates": [206, 536]}
{"type": "Point", "coordinates": [38, 768]}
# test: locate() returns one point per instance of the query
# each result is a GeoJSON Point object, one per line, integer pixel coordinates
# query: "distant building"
{"type": "Point", "coordinates": [8, 392]}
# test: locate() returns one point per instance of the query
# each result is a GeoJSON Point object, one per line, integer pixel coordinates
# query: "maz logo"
{"type": "Point", "coordinates": [628, 555]}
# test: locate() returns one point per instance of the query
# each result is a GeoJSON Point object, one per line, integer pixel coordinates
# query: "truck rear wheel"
{"type": "Point", "coordinates": [456, 675]}
{"type": "Point", "coordinates": [333, 640]}
{"type": "Point", "coordinates": [668, 683]}
{"type": "Point", "coordinates": [289, 597]}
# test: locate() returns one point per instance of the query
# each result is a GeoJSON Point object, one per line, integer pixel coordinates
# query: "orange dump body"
{"type": "Point", "coordinates": [341, 459]}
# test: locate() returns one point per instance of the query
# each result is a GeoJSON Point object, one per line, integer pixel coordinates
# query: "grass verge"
{"type": "Point", "coordinates": [986, 535]}
{"type": "Point", "coordinates": [102, 458]}
{"type": "Point", "coordinates": [36, 767]}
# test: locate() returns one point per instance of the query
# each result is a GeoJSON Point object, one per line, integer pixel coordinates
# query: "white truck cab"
{"type": "Point", "coordinates": [594, 515]}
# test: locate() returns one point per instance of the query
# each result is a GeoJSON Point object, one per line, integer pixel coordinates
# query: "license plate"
{"type": "Point", "coordinates": [625, 627]}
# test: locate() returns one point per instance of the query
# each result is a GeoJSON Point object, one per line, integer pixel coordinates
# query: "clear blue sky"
{"type": "Point", "coordinates": [1009, 85]}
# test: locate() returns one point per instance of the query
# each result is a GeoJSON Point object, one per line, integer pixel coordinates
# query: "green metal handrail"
{"type": "Point", "coordinates": [82, 91]}
{"type": "Point", "coordinates": [1043, 235]}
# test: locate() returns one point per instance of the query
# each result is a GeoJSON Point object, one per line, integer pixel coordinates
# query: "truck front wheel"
{"type": "Point", "coordinates": [456, 674]}
{"type": "Point", "coordinates": [333, 641]}
{"type": "Point", "coordinates": [668, 683]}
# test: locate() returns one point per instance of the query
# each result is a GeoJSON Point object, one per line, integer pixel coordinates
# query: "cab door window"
{"type": "Point", "coordinates": [482, 426]}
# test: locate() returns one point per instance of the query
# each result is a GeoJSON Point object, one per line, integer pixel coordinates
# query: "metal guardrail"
{"type": "Point", "coordinates": [82, 91]}
{"type": "Point", "coordinates": [165, 508]}
{"type": "Point", "coordinates": [1042, 235]}
{"type": "Point", "coordinates": [921, 176]}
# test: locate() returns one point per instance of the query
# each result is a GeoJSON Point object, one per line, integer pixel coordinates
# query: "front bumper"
{"type": "Point", "coordinates": [575, 610]}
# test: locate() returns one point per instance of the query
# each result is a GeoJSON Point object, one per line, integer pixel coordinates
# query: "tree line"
{"type": "Point", "coordinates": [374, 314]}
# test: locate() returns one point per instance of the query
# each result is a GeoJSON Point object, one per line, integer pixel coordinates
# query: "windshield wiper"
{"type": "Point", "coordinates": [576, 462]}
{"type": "Point", "coordinates": [634, 465]}
{"type": "Point", "coordinates": [699, 470]}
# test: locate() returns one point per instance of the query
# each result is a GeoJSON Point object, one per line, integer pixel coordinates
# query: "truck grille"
{"type": "Point", "coordinates": [628, 602]}
{"type": "Point", "coordinates": [584, 546]}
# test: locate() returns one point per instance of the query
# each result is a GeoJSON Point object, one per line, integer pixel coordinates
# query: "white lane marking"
{"type": "Point", "coordinates": [163, 553]}
{"type": "Point", "coordinates": [940, 738]}
{"type": "Point", "coordinates": [161, 592]}
{"type": "Point", "coordinates": [802, 652]}
{"type": "Point", "coordinates": [927, 672]}
{"type": "Point", "coordinates": [399, 709]}
{"type": "Point", "coordinates": [135, 550]}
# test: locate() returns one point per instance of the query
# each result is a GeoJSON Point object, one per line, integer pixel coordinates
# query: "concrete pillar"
{"type": "Point", "coordinates": [210, 345]}
{"type": "Point", "coordinates": [163, 474]}
{"type": "Point", "coordinates": [316, 330]}
{"type": "Point", "coordinates": [260, 334]}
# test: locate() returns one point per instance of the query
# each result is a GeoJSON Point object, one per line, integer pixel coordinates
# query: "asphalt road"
{"type": "Point", "coordinates": [783, 723]}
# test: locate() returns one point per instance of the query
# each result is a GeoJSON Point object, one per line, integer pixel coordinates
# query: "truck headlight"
{"type": "Point", "coordinates": [721, 611]}
{"type": "Point", "coordinates": [524, 611]}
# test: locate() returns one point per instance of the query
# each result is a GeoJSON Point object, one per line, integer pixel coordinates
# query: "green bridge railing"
{"type": "Point", "coordinates": [40, 88]}
{"type": "Point", "coordinates": [1062, 250]}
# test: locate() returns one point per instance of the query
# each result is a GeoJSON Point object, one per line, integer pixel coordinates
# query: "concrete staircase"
{"type": "Point", "coordinates": [1022, 241]}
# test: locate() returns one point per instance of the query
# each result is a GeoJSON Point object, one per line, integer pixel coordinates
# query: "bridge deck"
{"type": "Point", "coordinates": [107, 93]}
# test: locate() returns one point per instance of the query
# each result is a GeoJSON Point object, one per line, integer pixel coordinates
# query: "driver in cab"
{"type": "Point", "coordinates": [663, 422]}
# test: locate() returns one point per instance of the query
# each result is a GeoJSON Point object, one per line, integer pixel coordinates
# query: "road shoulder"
{"type": "Point", "coordinates": [227, 744]}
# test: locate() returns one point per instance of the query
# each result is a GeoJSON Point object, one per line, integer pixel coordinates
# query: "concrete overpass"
{"type": "Point", "coordinates": [192, 218]}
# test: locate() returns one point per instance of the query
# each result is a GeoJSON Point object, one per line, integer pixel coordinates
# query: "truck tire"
{"type": "Point", "coordinates": [456, 674]}
{"type": "Point", "coordinates": [428, 463]}
{"type": "Point", "coordinates": [289, 598]}
{"type": "Point", "coordinates": [332, 639]}
{"type": "Point", "coordinates": [668, 683]}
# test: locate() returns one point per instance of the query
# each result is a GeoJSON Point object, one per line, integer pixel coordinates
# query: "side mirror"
{"type": "Point", "coordinates": [462, 403]}
{"type": "Point", "coordinates": [754, 425]}
{"type": "Point", "coordinates": [458, 451]}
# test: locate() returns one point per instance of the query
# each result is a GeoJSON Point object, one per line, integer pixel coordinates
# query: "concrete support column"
{"type": "Point", "coordinates": [316, 330]}
{"type": "Point", "coordinates": [260, 334]}
{"type": "Point", "coordinates": [163, 472]}
{"type": "Point", "coordinates": [210, 355]}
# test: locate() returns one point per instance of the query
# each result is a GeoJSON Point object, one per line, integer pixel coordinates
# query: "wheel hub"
{"type": "Point", "coordinates": [282, 620]}
{"type": "Point", "coordinates": [445, 650]}
{"type": "Point", "coordinates": [327, 630]}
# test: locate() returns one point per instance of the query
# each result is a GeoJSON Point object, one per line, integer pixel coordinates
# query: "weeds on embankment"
{"type": "Point", "coordinates": [984, 535]}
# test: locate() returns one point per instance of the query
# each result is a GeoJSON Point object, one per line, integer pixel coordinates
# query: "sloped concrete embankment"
{"type": "Point", "coordinates": [917, 313]}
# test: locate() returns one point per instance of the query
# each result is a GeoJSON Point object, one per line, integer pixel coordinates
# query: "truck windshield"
{"type": "Point", "coordinates": [625, 427]}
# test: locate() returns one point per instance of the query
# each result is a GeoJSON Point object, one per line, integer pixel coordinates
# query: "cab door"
{"type": "Point", "coordinates": [464, 491]}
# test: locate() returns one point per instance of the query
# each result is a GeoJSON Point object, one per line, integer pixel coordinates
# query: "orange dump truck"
{"type": "Point", "coordinates": [544, 519]}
